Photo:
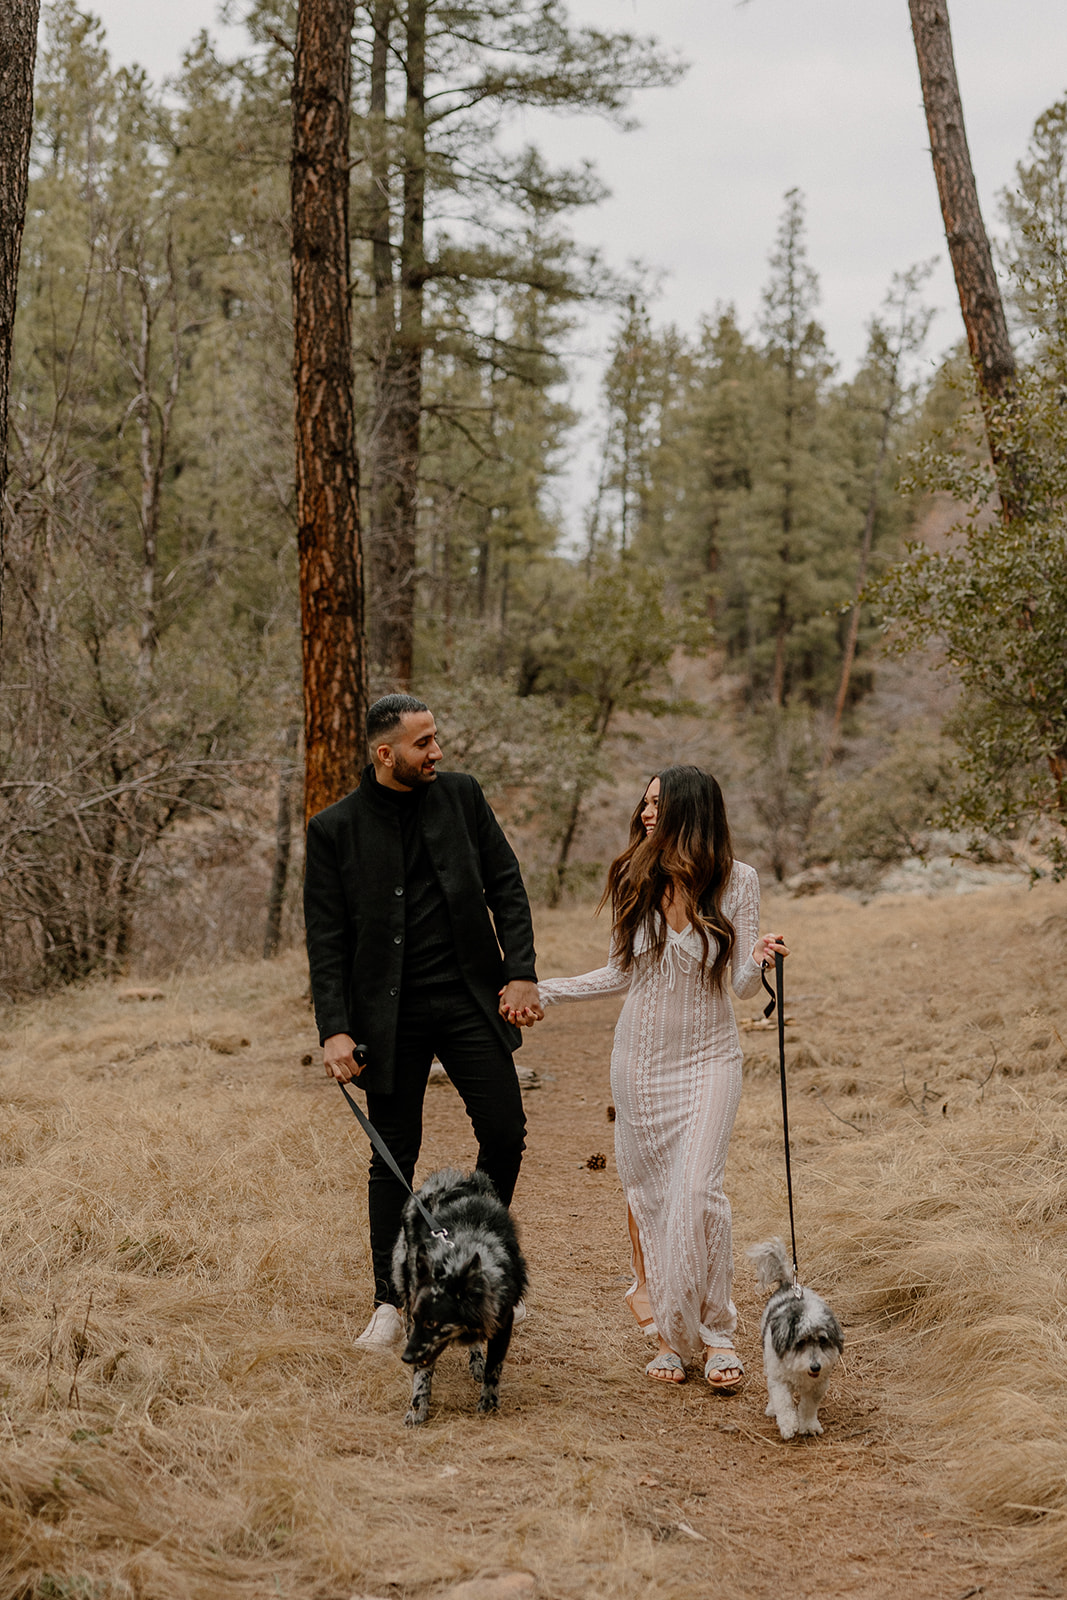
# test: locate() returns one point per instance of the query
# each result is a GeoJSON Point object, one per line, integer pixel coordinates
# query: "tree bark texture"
{"type": "Point", "coordinates": [398, 370]}
{"type": "Point", "coordinates": [155, 414]}
{"type": "Point", "coordinates": [386, 508]}
{"type": "Point", "coordinates": [848, 660]}
{"type": "Point", "coordinates": [968, 243]}
{"type": "Point", "coordinates": [327, 466]}
{"type": "Point", "coordinates": [18, 52]}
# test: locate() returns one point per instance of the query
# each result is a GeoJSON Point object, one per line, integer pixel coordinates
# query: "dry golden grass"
{"type": "Point", "coordinates": [185, 1266]}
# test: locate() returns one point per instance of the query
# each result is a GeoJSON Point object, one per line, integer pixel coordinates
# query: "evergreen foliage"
{"type": "Point", "coordinates": [152, 603]}
{"type": "Point", "coordinates": [737, 464]}
{"type": "Point", "coordinates": [996, 599]}
{"type": "Point", "coordinates": [745, 495]}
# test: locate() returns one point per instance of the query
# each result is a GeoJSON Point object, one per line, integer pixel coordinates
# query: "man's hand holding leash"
{"type": "Point", "coordinates": [340, 1059]}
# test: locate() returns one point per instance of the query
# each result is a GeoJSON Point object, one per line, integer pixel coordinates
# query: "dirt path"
{"type": "Point", "coordinates": [727, 1507]}
{"type": "Point", "coordinates": [703, 1487]}
{"type": "Point", "coordinates": [186, 1265]}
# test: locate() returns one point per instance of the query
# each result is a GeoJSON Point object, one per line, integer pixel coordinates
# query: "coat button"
{"type": "Point", "coordinates": [398, 938]}
{"type": "Point", "coordinates": [399, 889]}
{"type": "Point", "coordinates": [394, 991]}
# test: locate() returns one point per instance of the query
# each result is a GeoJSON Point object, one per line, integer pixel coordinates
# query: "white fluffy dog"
{"type": "Point", "coordinates": [802, 1343]}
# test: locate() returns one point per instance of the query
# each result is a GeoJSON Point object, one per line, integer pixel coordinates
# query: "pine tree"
{"type": "Point", "coordinates": [996, 600]}
{"type": "Point", "coordinates": [1035, 210]}
{"type": "Point", "coordinates": [632, 394]}
{"type": "Point", "coordinates": [992, 355]}
{"type": "Point", "coordinates": [327, 465]}
{"type": "Point", "coordinates": [462, 71]}
{"type": "Point", "coordinates": [494, 423]}
{"type": "Point", "coordinates": [151, 588]}
{"type": "Point", "coordinates": [875, 402]}
{"type": "Point", "coordinates": [703, 464]}
{"type": "Point", "coordinates": [798, 363]}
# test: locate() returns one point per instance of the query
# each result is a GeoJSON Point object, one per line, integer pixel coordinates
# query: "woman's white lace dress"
{"type": "Point", "coordinates": [676, 1082]}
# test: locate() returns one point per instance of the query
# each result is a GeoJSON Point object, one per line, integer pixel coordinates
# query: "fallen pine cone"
{"type": "Point", "coordinates": [597, 1163]}
{"type": "Point", "coordinates": [611, 1113]}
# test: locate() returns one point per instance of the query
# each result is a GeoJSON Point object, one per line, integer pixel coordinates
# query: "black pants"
{"type": "Point", "coordinates": [444, 1021]}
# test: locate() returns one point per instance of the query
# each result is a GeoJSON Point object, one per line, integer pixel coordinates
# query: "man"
{"type": "Point", "coordinates": [406, 964]}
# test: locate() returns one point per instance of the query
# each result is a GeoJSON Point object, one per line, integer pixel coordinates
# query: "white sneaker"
{"type": "Point", "coordinates": [383, 1333]}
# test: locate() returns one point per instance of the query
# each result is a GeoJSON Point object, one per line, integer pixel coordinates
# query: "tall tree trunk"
{"type": "Point", "coordinates": [327, 466]}
{"type": "Point", "coordinates": [446, 598]}
{"type": "Point", "coordinates": [783, 623]}
{"type": "Point", "coordinates": [412, 339]}
{"type": "Point", "coordinates": [558, 880]}
{"type": "Point", "coordinates": [378, 133]}
{"type": "Point", "coordinates": [711, 556]}
{"type": "Point", "coordinates": [968, 243]}
{"type": "Point", "coordinates": [399, 423]}
{"type": "Point", "coordinates": [381, 445]}
{"type": "Point", "coordinates": [849, 658]}
{"type": "Point", "coordinates": [582, 785]}
{"type": "Point", "coordinates": [18, 52]}
{"type": "Point", "coordinates": [482, 581]}
{"type": "Point", "coordinates": [155, 419]}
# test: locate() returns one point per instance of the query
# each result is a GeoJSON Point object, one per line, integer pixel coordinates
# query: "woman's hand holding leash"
{"type": "Point", "coordinates": [767, 948]}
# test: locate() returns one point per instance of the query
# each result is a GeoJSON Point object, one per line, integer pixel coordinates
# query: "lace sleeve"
{"type": "Point", "coordinates": [744, 972]}
{"type": "Point", "coordinates": [612, 979]}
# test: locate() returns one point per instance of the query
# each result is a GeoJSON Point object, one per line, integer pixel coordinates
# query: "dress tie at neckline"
{"type": "Point", "coordinates": [676, 958]}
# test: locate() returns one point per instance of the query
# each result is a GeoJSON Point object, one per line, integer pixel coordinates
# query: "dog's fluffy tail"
{"type": "Point", "coordinates": [773, 1265]}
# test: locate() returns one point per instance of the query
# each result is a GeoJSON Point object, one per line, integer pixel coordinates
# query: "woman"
{"type": "Point", "coordinates": [684, 913]}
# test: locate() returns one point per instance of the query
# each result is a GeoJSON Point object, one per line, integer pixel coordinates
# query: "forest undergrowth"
{"type": "Point", "coordinates": [185, 1267]}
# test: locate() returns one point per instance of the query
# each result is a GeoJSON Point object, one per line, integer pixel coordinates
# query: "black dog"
{"type": "Point", "coordinates": [458, 1283]}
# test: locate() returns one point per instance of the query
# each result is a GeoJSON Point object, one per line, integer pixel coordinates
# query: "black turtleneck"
{"type": "Point", "coordinates": [429, 947]}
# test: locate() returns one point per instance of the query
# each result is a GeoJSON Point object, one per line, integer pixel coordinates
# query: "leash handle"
{"type": "Point", "coordinates": [777, 1002]}
{"type": "Point", "coordinates": [387, 1156]}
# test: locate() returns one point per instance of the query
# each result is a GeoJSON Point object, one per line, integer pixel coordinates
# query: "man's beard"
{"type": "Point", "coordinates": [412, 776]}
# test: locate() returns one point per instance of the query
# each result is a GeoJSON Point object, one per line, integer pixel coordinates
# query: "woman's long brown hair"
{"type": "Point", "coordinates": [687, 859]}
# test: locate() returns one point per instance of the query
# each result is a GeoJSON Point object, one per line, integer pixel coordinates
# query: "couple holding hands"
{"type": "Point", "coordinates": [401, 878]}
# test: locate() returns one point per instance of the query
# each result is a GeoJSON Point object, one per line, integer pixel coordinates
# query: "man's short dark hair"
{"type": "Point", "coordinates": [385, 715]}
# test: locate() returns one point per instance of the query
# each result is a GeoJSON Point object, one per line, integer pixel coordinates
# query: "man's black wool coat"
{"type": "Point", "coordinates": [354, 911]}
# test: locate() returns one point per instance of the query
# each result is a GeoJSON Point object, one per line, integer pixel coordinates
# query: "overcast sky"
{"type": "Point", "coordinates": [818, 94]}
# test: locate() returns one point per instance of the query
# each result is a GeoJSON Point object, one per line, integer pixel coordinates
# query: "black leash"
{"type": "Point", "coordinates": [387, 1156]}
{"type": "Point", "coordinates": [777, 1000]}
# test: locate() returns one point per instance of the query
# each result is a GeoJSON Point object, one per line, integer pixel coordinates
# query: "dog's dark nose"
{"type": "Point", "coordinates": [815, 1368]}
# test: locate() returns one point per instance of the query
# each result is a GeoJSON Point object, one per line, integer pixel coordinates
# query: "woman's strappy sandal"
{"type": "Point", "coordinates": [666, 1362]}
{"type": "Point", "coordinates": [720, 1361]}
